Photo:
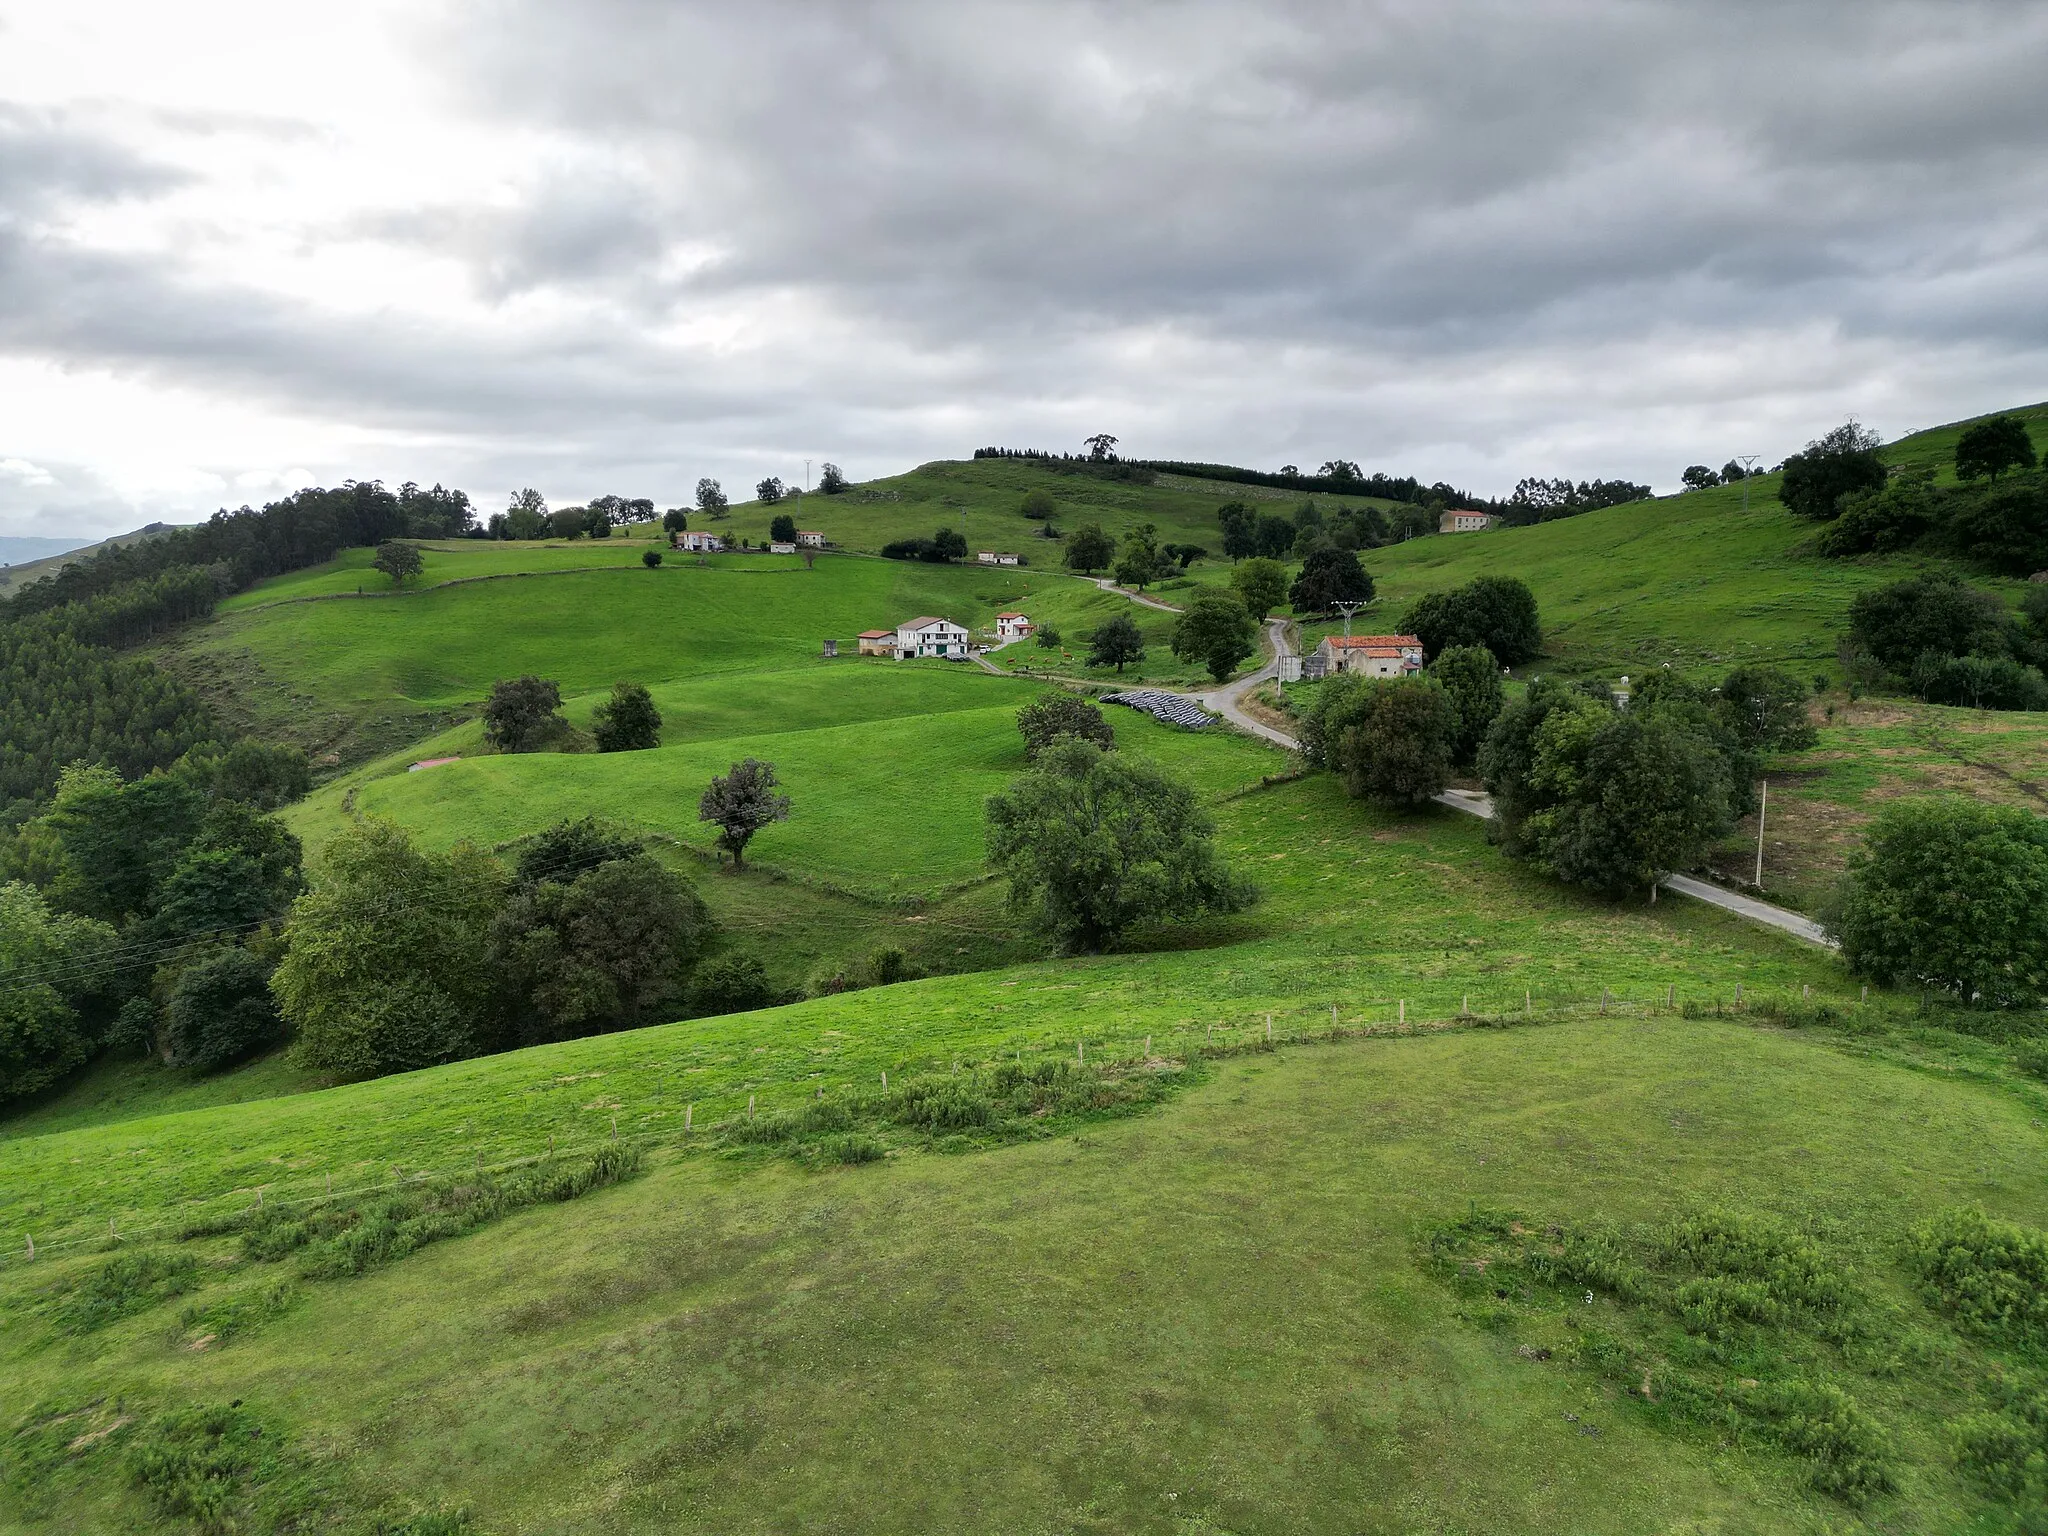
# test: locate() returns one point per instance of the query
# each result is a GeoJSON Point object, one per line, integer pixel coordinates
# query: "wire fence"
{"type": "Point", "coordinates": [684, 1128]}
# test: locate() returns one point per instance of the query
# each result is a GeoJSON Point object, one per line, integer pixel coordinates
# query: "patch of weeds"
{"type": "Point", "coordinates": [231, 1316]}
{"type": "Point", "coordinates": [50, 1441]}
{"type": "Point", "coordinates": [1990, 1276]}
{"type": "Point", "coordinates": [2031, 1057]}
{"type": "Point", "coordinates": [1719, 1320]}
{"type": "Point", "coordinates": [954, 1112]}
{"type": "Point", "coordinates": [352, 1235]}
{"type": "Point", "coordinates": [132, 1281]}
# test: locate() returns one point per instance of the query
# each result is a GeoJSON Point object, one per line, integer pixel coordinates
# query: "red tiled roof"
{"type": "Point", "coordinates": [876, 634]}
{"type": "Point", "coordinates": [1361, 642]}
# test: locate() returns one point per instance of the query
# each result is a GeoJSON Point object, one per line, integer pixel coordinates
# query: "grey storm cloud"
{"type": "Point", "coordinates": [1467, 240]}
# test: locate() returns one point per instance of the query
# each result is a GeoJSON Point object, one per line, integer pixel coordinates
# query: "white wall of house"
{"type": "Point", "coordinates": [934, 637]}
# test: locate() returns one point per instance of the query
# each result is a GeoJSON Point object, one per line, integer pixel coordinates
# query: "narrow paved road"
{"type": "Point", "coordinates": [1228, 701]}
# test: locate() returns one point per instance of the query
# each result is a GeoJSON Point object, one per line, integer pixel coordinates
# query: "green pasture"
{"type": "Point", "coordinates": [351, 574]}
{"type": "Point", "coordinates": [889, 806]}
{"type": "Point", "coordinates": [1362, 911]}
{"type": "Point", "coordinates": [982, 497]}
{"type": "Point", "coordinates": [1213, 1317]}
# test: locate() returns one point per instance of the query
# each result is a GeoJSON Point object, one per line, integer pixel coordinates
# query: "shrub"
{"type": "Point", "coordinates": [521, 713]}
{"type": "Point", "coordinates": [1037, 505]}
{"type": "Point", "coordinates": [221, 1011]}
{"type": "Point", "coordinates": [129, 1282]}
{"type": "Point", "coordinates": [1949, 894]}
{"type": "Point", "coordinates": [1397, 750]}
{"type": "Point", "coordinates": [627, 721]}
{"type": "Point", "coordinates": [888, 966]}
{"type": "Point", "coordinates": [650, 558]}
{"type": "Point", "coordinates": [2004, 526]}
{"type": "Point", "coordinates": [1979, 682]}
{"type": "Point", "coordinates": [1045, 720]}
{"type": "Point", "coordinates": [1991, 1276]}
{"type": "Point", "coordinates": [1937, 612]}
{"type": "Point", "coordinates": [731, 984]}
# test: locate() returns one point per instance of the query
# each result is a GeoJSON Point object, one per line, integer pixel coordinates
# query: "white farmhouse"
{"type": "Point", "coordinates": [930, 637]}
{"type": "Point", "coordinates": [1012, 626]}
{"type": "Point", "coordinates": [998, 557]}
{"type": "Point", "coordinates": [810, 538]}
{"type": "Point", "coordinates": [1370, 655]}
{"type": "Point", "coordinates": [781, 547]}
{"type": "Point", "coordinates": [1455, 521]}
{"type": "Point", "coordinates": [702, 543]}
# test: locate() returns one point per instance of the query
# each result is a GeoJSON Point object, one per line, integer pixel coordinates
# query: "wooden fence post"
{"type": "Point", "coordinates": [1738, 994]}
{"type": "Point", "coordinates": [1670, 996]}
{"type": "Point", "coordinates": [330, 1183]}
{"type": "Point", "coordinates": [1402, 1016]}
{"type": "Point", "coordinates": [1081, 1052]}
{"type": "Point", "coordinates": [31, 1245]}
{"type": "Point", "coordinates": [1148, 1047]}
{"type": "Point", "coordinates": [750, 1106]}
{"type": "Point", "coordinates": [615, 1127]}
{"type": "Point", "coordinates": [1465, 1008]}
{"type": "Point", "coordinates": [689, 1114]}
{"type": "Point", "coordinates": [1528, 1005]}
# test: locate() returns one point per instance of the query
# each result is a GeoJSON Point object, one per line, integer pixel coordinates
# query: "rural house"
{"type": "Point", "coordinates": [1455, 521]}
{"type": "Point", "coordinates": [878, 642]}
{"type": "Point", "coordinates": [810, 538]}
{"type": "Point", "coordinates": [703, 543]}
{"type": "Point", "coordinates": [1370, 655]}
{"type": "Point", "coordinates": [781, 547]}
{"type": "Point", "coordinates": [930, 637]}
{"type": "Point", "coordinates": [994, 557]}
{"type": "Point", "coordinates": [1012, 626]}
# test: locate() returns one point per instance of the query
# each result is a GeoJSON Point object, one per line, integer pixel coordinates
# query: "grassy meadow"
{"type": "Point", "coordinates": [1206, 1303]}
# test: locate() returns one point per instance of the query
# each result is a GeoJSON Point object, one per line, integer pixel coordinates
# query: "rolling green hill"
{"type": "Point", "coordinates": [1207, 1294]}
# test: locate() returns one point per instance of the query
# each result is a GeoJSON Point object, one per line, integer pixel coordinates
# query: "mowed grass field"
{"type": "Point", "coordinates": [1210, 1318]}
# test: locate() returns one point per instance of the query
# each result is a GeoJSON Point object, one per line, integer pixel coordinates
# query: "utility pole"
{"type": "Point", "coordinates": [807, 477]}
{"type": "Point", "coordinates": [1349, 609]}
{"type": "Point", "coordinates": [1748, 463]}
{"type": "Point", "coordinates": [1762, 804]}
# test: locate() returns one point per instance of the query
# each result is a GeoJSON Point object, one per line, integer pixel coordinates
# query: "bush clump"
{"type": "Point", "coordinates": [1991, 1276]}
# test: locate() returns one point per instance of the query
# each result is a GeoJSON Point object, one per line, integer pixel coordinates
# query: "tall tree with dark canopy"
{"type": "Point", "coordinates": [831, 479]}
{"type": "Point", "coordinates": [1834, 466]}
{"type": "Point", "coordinates": [1470, 679]}
{"type": "Point", "coordinates": [603, 946]}
{"type": "Point", "coordinates": [1766, 708]}
{"type": "Point", "coordinates": [1115, 642]}
{"type": "Point", "coordinates": [399, 560]}
{"type": "Point", "coordinates": [1101, 447]}
{"type": "Point", "coordinates": [741, 803]}
{"type": "Point", "coordinates": [1240, 530]}
{"type": "Point", "coordinates": [1698, 477]}
{"type": "Point", "coordinates": [47, 962]}
{"type": "Point", "coordinates": [1093, 844]}
{"type": "Point", "coordinates": [1936, 612]}
{"type": "Point", "coordinates": [711, 500]}
{"type": "Point", "coordinates": [782, 528]}
{"type": "Point", "coordinates": [1260, 584]}
{"type": "Point", "coordinates": [1215, 631]}
{"type": "Point", "coordinates": [1328, 577]}
{"type": "Point", "coordinates": [1089, 549]}
{"type": "Point", "coordinates": [769, 491]}
{"type": "Point", "coordinates": [1045, 720]}
{"type": "Point", "coordinates": [1992, 447]}
{"type": "Point", "coordinates": [220, 1011]}
{"type": "Point", "coordinates": [1951, 894]}
{"type": "Point", "coordinates": [1396, 747]}
{"type": "Point", "coordinates": [522, 712]}
{"type": "Point", "coordinates": [1498, 612]}
{"type": "Point", "coordinates": [627, 721]}
{"type": "Point", "coordinates": [385, 966]}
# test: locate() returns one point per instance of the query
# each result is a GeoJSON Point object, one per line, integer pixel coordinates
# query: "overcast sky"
{"type": "Point", "coordinates": [618, 244]}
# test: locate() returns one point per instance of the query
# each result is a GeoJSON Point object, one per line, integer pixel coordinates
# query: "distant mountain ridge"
{"type": "Point", "coordinates": [24, 559]}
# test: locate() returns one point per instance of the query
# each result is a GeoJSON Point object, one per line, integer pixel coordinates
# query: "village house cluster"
{"type": "Point", "coordinates": [701, 543]}
{"type": "Point", "coordinates": [928, 636]}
